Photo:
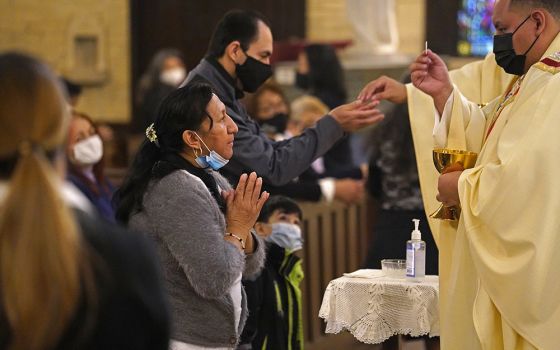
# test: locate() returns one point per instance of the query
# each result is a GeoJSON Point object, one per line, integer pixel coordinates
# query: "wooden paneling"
{"type": "Point", "coordinates": [441, 26]}
{"type": "Point", "coordinates": [312, 266]}
{"type": "Point", "coordinates": [336, 240]}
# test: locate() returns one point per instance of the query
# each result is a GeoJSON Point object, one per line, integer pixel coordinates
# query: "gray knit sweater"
{"type": "Point", "coordinates": [200, 267]}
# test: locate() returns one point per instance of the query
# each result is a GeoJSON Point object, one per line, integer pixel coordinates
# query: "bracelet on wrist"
{"type": "Point", "coordinates": [241, 240]}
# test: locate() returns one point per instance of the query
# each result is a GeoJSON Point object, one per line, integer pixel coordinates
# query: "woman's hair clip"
{"type": "Point", "coordinates": [151, 134]}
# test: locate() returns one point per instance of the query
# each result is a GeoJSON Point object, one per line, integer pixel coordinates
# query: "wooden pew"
{"type": "Point", "coordinates": [336, 239]}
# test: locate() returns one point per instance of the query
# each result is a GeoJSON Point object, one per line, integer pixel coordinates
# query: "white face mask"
{"type": "Point", "coordinates": [174, 76]}
{"type": "Point", "coordinates": [88, 151]}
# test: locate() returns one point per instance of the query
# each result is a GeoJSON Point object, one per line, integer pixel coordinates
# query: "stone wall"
{"type": "Point", "coordinates": [85, 40]}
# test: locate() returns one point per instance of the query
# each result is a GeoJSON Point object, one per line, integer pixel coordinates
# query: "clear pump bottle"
{"type": "Point", "coordinates": [416, 254]}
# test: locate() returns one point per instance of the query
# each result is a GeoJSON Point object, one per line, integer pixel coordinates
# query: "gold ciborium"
{"type": "Point", "coordinates": [443, 159]}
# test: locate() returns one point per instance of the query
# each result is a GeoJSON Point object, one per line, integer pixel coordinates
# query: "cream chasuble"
{"type": "Point", "coordinates": [480, 82]}
{"type": "Point", "coordinates": [502, 267]}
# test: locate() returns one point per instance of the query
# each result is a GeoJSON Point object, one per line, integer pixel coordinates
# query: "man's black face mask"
{"type": "Point", "coordinates": [253, 73]}
{"type": "Point", "coordinates": [505, 54]}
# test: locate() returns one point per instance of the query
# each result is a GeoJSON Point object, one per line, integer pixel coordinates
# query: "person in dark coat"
{"type": "Point", "coordinates": [274, 297]}
{"type": "Point", "coordinates": [238, 60]}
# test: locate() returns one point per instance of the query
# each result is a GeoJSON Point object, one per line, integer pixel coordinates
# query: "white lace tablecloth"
{"type": "Point", "coordinates": [373, 307]}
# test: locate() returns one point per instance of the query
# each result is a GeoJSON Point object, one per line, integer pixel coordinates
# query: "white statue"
{"type": "Point", "coordinates": [375, 27]}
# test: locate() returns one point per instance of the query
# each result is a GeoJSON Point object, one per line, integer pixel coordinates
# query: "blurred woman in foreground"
{"type": "Point", "coordinates": [67, 280]}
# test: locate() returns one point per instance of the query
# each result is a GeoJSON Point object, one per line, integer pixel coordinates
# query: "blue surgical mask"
{"type": "Point", "coordinates": [287, 236]}
{"type": "Point", "coordinates": [213, 160]}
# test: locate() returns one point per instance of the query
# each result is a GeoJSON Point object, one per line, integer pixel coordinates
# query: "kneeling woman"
{"type": "Point", "coordinates": [201, 226]}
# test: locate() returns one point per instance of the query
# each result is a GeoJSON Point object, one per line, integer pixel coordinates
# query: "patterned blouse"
{"type": "Point", "coordinates": [393, 172]}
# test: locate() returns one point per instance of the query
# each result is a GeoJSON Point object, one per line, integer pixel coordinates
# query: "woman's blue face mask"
{"type": "Point", "coordinates": [212, 160]}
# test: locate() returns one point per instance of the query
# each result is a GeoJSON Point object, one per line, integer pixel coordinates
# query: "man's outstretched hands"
{"type": "Point", "coordinates": [357, 114]}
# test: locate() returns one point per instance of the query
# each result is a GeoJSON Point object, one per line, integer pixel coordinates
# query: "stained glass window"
{"type": "Point", "coordinates": [475, 27]}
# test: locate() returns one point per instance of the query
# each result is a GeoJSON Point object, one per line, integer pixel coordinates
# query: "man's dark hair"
{"type": "Point", "coordinates": [285, 204]}
{"type": "Point", "coordinates": [552, 6]}
{"type": "Point", "coordinates": [240, 25]}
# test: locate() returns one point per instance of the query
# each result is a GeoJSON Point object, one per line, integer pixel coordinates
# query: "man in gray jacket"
{"type": "Point", "coordinates": [238, 60]}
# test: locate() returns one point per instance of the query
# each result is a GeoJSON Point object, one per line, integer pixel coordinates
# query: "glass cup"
{"type": "Point", "coordinates": [394, 268]}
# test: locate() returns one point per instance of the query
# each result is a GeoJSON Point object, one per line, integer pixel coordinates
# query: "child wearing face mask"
{"type": "Point", "coordinates": [84, 152]}
{"type": "Point", "coordinates": [274, 297]}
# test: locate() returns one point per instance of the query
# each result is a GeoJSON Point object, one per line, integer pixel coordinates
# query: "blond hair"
{"type": "Point", "coordinates": [307, 104]}
{"type": "Point", "coordinates": [41, 259]}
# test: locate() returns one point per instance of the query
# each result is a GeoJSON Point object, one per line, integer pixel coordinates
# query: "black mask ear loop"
{"type": "Point", "coordinates": [534, 41]}
{"type": "Point", "coordinates": [533, 44]}
{"type": "Point", "coordinates": [521, 24]}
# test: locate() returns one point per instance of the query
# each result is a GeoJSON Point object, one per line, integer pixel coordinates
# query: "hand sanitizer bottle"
{"type": "Point", "coordinates": [416, 254]}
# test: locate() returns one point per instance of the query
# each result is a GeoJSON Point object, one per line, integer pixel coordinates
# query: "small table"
{"type": "Point", "coordinates": [374, 307]}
